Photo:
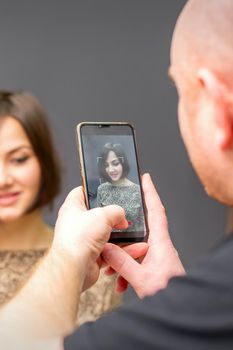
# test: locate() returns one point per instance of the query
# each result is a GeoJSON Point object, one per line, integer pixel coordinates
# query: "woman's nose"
{"type": "Point", "coordinates": [5, 176]}
{"type": "Point", "coordinates": [111, 167]}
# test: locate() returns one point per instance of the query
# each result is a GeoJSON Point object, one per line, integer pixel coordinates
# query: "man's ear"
{"type": "Point", "coordinates": [222, 99]}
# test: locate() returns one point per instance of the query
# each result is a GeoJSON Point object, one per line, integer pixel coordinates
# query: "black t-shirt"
{"type": "Point", "coordinates": [193, 312]}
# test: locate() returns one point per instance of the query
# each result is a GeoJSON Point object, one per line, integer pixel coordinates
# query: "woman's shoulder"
{"type": "Point", "coordinates": [15, 268]}
{"type": "Point", "coordinates": [104, 186]}
{"type": "Point", "coordinates": [134, 191]}
{"type": "Point", "coordinates": [134, 186]}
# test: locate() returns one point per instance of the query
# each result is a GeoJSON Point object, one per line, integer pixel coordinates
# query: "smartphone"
{"type": "Point", "coordinates": [110, 174]}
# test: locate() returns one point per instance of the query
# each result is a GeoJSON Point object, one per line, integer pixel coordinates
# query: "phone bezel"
{"type": "Point", "coordinates": [100, 126]}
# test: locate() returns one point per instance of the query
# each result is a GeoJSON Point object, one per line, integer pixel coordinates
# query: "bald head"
{"type": "Point", "coordinates": [203, 36]}
{"type": "Point", "coordinates": [202, 67]}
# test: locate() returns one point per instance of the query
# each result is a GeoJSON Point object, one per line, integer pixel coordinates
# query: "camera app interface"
{"type": "Point", "coordinates": [112, 176]}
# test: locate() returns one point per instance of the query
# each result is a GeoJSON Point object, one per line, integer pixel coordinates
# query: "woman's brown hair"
{"type": "Point", "coordinates": [27, 110]}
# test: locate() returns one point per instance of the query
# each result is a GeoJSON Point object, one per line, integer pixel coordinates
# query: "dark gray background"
{"type": "Point", "coordinates": [107, 60]}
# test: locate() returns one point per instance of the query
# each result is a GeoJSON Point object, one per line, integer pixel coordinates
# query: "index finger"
{"type": "Point", "coordinates": [157, 219]}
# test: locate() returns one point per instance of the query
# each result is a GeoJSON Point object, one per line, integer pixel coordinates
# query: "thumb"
{"type": "Point", "coordinates": [75, 199]}
{"type": "Point", "coordinates": [115, 216]}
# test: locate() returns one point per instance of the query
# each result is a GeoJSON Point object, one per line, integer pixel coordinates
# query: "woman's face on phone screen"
{"type": "Point", "coordinates": [20, 173]}
{"type": "Point", "coordinates": [113, 167]}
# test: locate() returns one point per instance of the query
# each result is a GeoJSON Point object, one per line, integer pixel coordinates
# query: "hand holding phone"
{"type": "Point", "coordinates": [110, 174]}
{"type": "Point", "coordinates": [161, 261]}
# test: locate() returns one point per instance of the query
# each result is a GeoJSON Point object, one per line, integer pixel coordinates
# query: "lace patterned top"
{"type": "Point", "coordinates": [16, 266]}
{"type": "Point", "coordinates": [128, 197]}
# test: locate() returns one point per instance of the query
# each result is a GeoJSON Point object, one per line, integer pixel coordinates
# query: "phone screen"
{"type": "Point", "coordinates": [111, 174]}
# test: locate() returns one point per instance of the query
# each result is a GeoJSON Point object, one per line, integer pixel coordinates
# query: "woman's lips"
{"type": "Point", "coordinates": [7, 199]}
{"type": "Point", "coordinates": [114, 175]}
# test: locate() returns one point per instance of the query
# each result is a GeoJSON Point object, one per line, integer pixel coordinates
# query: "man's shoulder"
{"type": "Point", "coordinates": [216, 267]}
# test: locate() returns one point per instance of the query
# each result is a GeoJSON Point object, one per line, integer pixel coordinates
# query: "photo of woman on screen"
{"type": "Point", "coordinates": [117, 188]}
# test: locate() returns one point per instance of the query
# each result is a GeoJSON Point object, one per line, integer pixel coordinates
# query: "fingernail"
{"type": "Point", "coordinates": [147, 174]}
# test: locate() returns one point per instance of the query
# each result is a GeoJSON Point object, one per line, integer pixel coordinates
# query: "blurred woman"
{"type": "Point", "coordinates": [30, 179]}
{"type": "Point", "coordinates": [117, 188]}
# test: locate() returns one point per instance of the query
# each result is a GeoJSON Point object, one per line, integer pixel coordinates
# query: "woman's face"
{"type": "Point", "coordinates": [20, 173]}
{"type": "Point", "coordinates": [113, 167]}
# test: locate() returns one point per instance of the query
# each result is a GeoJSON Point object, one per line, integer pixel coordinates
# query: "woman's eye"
{"type": "Point", "coordinates": [19, 160]}
{"type": "Point", "coordinates": [116, 163]}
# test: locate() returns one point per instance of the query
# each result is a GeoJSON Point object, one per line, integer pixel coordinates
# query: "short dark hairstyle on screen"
{"type": "Point", "coordinates": [26, 109]}
{"type": "Point", "coordinates": [119, 152]}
